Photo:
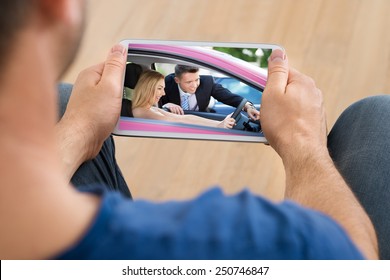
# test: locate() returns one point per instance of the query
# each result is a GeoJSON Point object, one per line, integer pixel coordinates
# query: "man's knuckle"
{"type": "Point", "coordinates": [278, 69]}
{"type": "Point", "coordinates": [115, 63]}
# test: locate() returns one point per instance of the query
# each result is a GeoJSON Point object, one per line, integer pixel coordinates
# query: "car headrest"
{"type": "Point", "coordinates": [133, 72]}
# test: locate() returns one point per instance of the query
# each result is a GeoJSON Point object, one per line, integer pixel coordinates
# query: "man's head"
{"type": "Point", "coordinates": [15, 15]}
{"type": "Point", "coordinates": [60, 21]}
{"type": "Point", "coordinates": [187, 77]}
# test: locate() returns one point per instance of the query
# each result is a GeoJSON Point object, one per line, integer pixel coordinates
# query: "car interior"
{"type": "Point", "coordinates": [132, 75]}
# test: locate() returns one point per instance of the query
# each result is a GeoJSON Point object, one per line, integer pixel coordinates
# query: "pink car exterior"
{"type": "Point", "coordinates": [208, 58]}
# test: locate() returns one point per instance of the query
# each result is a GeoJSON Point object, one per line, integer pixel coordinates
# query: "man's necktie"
{"type": "Point", "coordinates": [185, 103]}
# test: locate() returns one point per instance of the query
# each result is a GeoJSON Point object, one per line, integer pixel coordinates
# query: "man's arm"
{"type": "Point", "coordinates": [73, 146]}
{"type": "Point", "coordinates": [90, 116]}
{"type": "Point", "coordinates": [294, 123]}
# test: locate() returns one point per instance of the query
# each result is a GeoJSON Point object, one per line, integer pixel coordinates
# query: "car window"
{"type": "Point", "coordinates": [165, 68]}
{"type": "Point", "coordinates": [240, 88]}
{"type": "Point", "coordinates": [168, 68]}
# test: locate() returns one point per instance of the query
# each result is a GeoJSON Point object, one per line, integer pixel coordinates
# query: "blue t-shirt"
{"type": "Point", "coordinates": [212, 226]}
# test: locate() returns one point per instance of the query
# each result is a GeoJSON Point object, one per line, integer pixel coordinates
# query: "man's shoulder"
{"type": "Point", "coordinates": [207, 78]}
{"type": "Point", "coordinates": [170, 77]}
{"type": "Point", "coordinates": [206, 83]}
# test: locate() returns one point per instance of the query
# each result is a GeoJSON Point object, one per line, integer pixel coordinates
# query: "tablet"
{"type": "Point", "coordinates": [193, 90]}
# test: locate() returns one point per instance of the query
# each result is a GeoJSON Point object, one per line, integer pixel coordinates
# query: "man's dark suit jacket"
{"type": "Point", "coordinates": [207, 88]}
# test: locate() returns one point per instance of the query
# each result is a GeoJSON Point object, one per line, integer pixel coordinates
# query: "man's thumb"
{"type": "Point", "coordinates": [115, 64]}
{"type": "Point", "coordinates": [277, 71]}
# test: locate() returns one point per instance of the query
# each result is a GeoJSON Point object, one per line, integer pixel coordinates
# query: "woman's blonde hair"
{"type": "Point", "coordinates": [145, 89]}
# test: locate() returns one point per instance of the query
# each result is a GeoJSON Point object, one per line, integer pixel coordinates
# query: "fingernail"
{"type": "Point", "coordinates": [118, 49]}
{"type": "Point", "coordinates": [277, 55]}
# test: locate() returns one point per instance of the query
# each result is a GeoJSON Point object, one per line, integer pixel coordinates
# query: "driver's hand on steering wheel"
{"type": "Point", "coordinates": [174, 108]}
{"type": "Point", "coordinates": [228, 122]}
{"type": "Point", "coordinates": [252, 111]}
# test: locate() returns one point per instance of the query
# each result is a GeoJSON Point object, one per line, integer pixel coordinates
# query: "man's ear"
{"type": "Point", "coordinates": [65, 10]}
{"type": "Point", "coordinates": [177, 80]}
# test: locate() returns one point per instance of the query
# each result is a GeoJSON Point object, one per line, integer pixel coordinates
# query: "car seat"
{"type": "Point", "coordinates": [132, 74]}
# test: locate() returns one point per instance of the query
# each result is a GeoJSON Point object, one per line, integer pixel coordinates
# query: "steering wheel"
{"type": "Point", "coordinates": [237, 113]}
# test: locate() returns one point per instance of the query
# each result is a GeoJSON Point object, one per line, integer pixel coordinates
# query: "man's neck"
{"type": "Point", "coordinates": [181, 91]}
{"type": "Point", "coordinates": [28, 102]}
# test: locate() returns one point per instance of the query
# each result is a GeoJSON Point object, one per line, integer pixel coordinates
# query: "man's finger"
{"type": "Point", "coordinates": [277, 72]}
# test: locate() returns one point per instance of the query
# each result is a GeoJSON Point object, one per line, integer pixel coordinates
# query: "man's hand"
{"type": "Point", "coordinates": [93, 110]}
{"type": "Point", "coordinates": [252, 111]}
{"type": "Point", "coordinates": [292, 113]}
{"type": "Point", "coordinates": [228, 122]}
{"type": "Point", "coordinates": [293, 121]}
{"type": "Point", "coordinates": [174, 108]}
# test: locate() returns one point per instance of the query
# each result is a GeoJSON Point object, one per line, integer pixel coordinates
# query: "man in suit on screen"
{"type": "Point", "coordinates": [186, 89]}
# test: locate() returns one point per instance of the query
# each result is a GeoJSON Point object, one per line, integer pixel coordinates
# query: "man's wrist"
{"type": "Point", "coordinates": [75, 143]}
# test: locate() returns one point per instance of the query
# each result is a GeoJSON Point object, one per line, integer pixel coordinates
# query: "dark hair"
{"type": "Point", "coordinates": [181, 69]}
{"type": "Point", "coordinates": [15, 14]}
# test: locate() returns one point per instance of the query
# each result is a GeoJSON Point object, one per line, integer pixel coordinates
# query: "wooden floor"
{"type": "Point", "coordinates": [343, 44]}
